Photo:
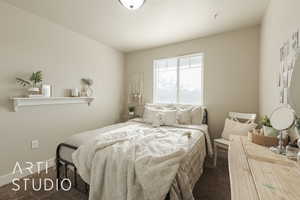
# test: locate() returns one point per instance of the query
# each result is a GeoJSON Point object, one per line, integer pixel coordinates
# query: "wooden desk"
{"type": "Point", "coordinates": [256, 173]}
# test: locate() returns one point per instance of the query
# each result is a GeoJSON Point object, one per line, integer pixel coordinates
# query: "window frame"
{"type": "Point", "coordinates": [155, 71]}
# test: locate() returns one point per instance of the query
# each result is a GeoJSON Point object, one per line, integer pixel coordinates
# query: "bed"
{"type": "Point", "coordinates": [188, 172]}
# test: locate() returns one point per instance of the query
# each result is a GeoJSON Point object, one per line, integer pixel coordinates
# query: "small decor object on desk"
{"type": "Point", "coordinates": [87, 90]}
{"type": "Point", "coordinates": [291, 152]}
{"type": "Point", "coordinates": [268, 130]}
{"type": "Point", "coordinates": [258, 137]}
{"type": "Point", "coordinates": [282, 119]}
{"type": "Point", "coordinates": [33, 83]}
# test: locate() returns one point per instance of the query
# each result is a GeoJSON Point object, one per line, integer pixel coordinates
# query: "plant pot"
{"type": "Point", "coordinates": [33, 91]}
{"type": "Point", "coordinates": [270, 131]}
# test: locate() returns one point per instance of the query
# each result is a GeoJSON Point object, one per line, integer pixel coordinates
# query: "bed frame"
{"type": "Point", "coordinates": [64, 164]}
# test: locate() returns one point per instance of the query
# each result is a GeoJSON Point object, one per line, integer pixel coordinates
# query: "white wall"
{"type": "Point", "coordinates": [231, 71]}
{"type": "Point", "coordinates": [280, 21]}
{"type": "Point", "coordinates": [29, 43]}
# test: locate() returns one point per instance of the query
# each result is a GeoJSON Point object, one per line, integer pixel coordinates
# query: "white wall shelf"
{"type": "Point", "coordinates": [38, 101]}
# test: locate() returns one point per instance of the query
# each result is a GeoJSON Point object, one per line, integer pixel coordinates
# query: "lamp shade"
{"type": "Point", "coordinates": [132, 4]}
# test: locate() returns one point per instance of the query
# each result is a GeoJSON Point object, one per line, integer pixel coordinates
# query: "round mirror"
{"type": "Point", "coordinates": [294, 91]}
{"type": "Point", "coordinates": [282, 118]}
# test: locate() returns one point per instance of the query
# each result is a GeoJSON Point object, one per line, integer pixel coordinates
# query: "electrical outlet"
{"type": "Point", "coordinates": [35, 144]}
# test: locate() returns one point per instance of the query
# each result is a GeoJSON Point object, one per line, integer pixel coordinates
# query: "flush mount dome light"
{"type": "Point", "coordinates": [132, 4]}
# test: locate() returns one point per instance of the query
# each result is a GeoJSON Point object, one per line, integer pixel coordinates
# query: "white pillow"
{"type": "Point", "coordinates": [168, 117]}
{"type": "Point", "coordinates": [157, 121]}
{"type": "Point", "coordinates": [236, 128]}
{"type": "Point", "coordinates": [150, 115]}
{"type": "Point", "coordinates": [161, 117]}
{"type": "Point", "coordinates": [184, 116]}
{"type": "Point", "coordinates": [197, 115]}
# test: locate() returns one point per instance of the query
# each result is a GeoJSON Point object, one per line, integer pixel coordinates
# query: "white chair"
{"type": "Point", "coordinates": [222, 143]}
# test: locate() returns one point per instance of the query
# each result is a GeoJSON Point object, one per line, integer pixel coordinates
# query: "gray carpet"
{"type": "Point", "coordinates": [213, 185]}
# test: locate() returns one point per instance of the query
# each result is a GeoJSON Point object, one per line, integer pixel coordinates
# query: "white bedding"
{"type": "Point", "coordinates": [133, 160]}
{"type": "Point", "coordinates": [84, 137]}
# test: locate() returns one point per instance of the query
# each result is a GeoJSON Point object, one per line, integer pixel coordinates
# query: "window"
{"type": "Point", "coordinates": [179, 80]}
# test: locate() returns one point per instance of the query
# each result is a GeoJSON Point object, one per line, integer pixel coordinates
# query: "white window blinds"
{"type": "Point", "coordinates": [179, 80]}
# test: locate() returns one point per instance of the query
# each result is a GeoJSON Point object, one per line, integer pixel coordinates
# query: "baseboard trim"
{"type": "Point", "coordinates": [6, 179]}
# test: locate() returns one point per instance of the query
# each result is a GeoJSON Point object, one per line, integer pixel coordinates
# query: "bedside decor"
{"type": "Point", "coordinates": [87, 90]}
{"type": "Point", "coordinates": [131, 110]}
{"type": "Point", "coordinates": [136, 89]}
{"type": "Point", "coordinates": [34, 82]}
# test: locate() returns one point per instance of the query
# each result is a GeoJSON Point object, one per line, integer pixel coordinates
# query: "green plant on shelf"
{"type": "Point", "coordinates": [34, 80]}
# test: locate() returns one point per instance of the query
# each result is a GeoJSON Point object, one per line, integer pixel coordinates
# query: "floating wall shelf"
{"type": "Point", "coordinates": [38, 101]}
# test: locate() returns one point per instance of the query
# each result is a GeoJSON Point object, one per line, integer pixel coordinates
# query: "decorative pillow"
{"type": "Point", "coordinates": [197, 115]}
{"type": "Point", "coordinates": [168, 117]}
{"type": "Point", "coordinates": [236, 128]}
{"type": "Point", "coordinates": [157, 121]}
{"type": "Point", "coordinates": [184, 116]}
{"type": "Point", "coordinates": [161, 117]}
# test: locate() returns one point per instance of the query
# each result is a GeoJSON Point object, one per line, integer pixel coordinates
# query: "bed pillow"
{"type": "Point", "coordinates": [168, 117]}
{"type": "Point", "coordinates": [233, 127]}
{"type": "Point", "coordinates": [150, 115]}
{"type": "Point", "coordinates": [197, 115]}
{"type": "Point", "coordinates": [184, 116]}
{"type": "Point", "coordinates": [161, 106]}
{"type": "Point", "coordinates": [159, 116]}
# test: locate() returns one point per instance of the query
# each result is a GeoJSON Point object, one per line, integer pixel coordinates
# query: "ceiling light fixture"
{"type": "Point", "coordinates": [132, 4]}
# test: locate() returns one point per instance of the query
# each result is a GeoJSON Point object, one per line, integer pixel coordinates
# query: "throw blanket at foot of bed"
{"type": "Point", "coordinates": [132, 163]}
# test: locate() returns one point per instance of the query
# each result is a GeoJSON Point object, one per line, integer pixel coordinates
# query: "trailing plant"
{"type": "Point", "coordinates": [35, 79]}
{"type": "Point", "coordinates": [265, 121]}
{"type": "Point", "coordinates": [87, 81]}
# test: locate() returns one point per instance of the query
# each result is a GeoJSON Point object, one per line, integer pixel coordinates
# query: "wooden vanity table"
{"type": "Point", "coordinates": [256, 173]}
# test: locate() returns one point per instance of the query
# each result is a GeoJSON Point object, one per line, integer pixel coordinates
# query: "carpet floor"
{"type": "Point", "coordinates": [213, 185]}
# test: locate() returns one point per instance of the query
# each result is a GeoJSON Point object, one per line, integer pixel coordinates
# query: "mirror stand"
{"type": "Point", "coordinates": [280, 147]}
{"type": "Point", "coordinates": [282, 119]}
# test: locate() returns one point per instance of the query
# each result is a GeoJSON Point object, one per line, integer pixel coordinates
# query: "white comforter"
{"type": "Point", "coordinates": [134, 162]}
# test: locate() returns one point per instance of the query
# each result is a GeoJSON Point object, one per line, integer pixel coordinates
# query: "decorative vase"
{"type": "Point", "coordinates": [269, 131]}
{"type": "Point", "coordinates": [89, 91]}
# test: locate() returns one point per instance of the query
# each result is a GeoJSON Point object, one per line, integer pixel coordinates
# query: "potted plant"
{"type": "Point", "coordinates": [267, 127]}
{"type": "Point", "coordinates": [88, 91]}
{"type": "Point", "coordinates": [33, 83]}
{"type": "Point", "coordinates": [131, 110]}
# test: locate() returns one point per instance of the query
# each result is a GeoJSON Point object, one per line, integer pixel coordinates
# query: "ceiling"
{"type": "Point", "coordinates": [158, 22]}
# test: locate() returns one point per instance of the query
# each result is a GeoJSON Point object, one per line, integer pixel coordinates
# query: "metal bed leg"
{"type": "Point", "coordinates": [66, 170]}
{"type": "Point", "coordinates": [75, 177]}
{"type": "Point", "coordinates": [58, 173]}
